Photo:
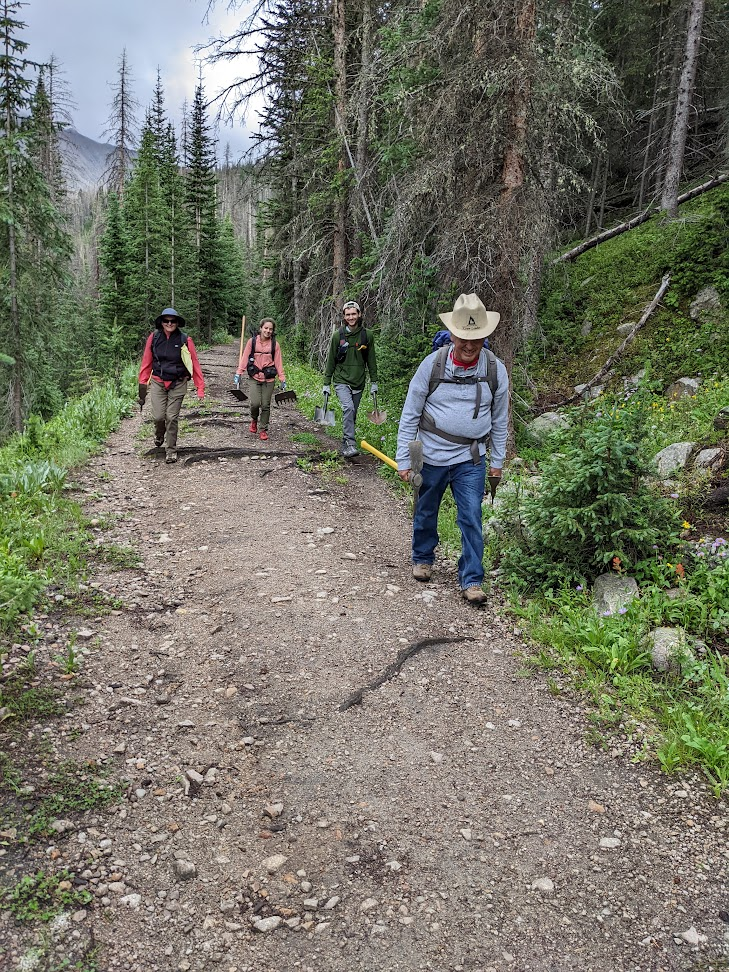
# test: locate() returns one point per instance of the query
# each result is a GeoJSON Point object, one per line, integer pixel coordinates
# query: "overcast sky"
{"type": "Point", "coordinates": [88, 36]}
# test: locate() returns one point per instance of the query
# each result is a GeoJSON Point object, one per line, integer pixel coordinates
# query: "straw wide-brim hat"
{"type": "Point", "coordinates": [469, 319]}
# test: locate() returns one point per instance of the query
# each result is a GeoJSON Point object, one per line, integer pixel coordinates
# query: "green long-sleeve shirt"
{"type": "Point", "coordinates": [353, 370]}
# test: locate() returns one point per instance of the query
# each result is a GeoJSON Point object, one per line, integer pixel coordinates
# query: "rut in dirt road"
{"type": "Point", "coordinates": [280, 814]}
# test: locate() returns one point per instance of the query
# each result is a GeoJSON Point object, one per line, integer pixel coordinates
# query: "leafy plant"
{"type": "Point", "coordinates": [41, 896]}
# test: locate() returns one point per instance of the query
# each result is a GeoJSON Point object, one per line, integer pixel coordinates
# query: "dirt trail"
{"type": "Point", "coordinates": [453, 819]}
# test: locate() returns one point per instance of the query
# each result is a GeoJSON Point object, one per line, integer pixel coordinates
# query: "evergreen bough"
{"type": "Point", "coordinates": [595, 509]}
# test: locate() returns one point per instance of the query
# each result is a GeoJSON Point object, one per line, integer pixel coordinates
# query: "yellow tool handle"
{"type": "Point", "coordinates": [380, 455]}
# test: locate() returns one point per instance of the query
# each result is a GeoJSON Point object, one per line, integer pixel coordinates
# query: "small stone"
{"type": "Point", "coordinates": [78, 916]}
{"type": "Point", "coordinates": [691, 936]}
{"type": "Point", "coordinates": [194, 777]}
{"type": "Point", "coordinates": [543, 884]}
{"type": "Point", "coordinates": [61, 826]}
{"type": "Point", "coordinates": [293, 922]}
{"type": "Point", "coordinates": [436, 757]}
{"type": "Point", "coordinates": [311, 904]}
{"type": "Point", "coordinates": [332, 902]}
{"type": "Point", "coordinates": [393, 865]}
{"type": "Point", "coordinates": [267, 924]}
{"type": "Point", "coordinates": [368, 904]}
{"type": "Point", "coordinates": [231, 691]}
{"type": "Point", "coordinates": [349, 556]}
{"type": "Point", "coordinates": [273, 810]}
{"type": "Point", "coordinates": [85, 634]}
{"type": "Point", "coordinates": [466, 833]}
{"type": "Point", "coordinates": [609, 843]}
{"type": "Point", "coordinates": [184, 870]}
{"type": "Point", "coordinates": [323, 823]}
{"type": "Point", "coordinates": [274, 863]}
{"type": "Point", "coordinates": [131, 901]}
{"type": "Point", "coordinates": [595, 807]}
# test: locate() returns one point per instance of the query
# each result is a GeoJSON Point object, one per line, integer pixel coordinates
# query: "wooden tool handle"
{"type": "Point", "coordinates": [242, 332]}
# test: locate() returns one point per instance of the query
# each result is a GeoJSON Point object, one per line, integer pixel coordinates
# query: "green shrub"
{"type": "Point", "coordinates": [593, 506]}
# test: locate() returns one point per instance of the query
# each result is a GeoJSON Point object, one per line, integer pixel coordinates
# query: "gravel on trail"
{"type": "Point", "coordinates": [289, 808]}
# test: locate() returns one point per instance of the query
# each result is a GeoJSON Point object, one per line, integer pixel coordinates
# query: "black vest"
{"type": "Point", "coordinates": [167, 362]}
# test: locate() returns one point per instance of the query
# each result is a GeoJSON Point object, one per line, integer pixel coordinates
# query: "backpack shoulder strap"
{"type": "Point", "coordinates": [438, 369]}
{"type": "Point", "coordinates": [492, 375]}
{"type": "Point", "coordinates": [253, 345]}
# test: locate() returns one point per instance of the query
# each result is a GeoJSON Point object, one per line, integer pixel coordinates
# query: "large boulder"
{"type": "Point", "coordinates": [706, 305]}
{"type": "Point", "coordinates": [709, 459]}
{"type": "Point", "coordinates": [547, 424]}
{"type": "Point", "coordinates": [586, 393]}
{"type": "Point", "coordinates": [668, 648]}
{"type": "Point", "coordinates": [673, 458]}
{"type": "Point", "coordinates": [611, 592]}
{"type": "Point", "coordinates": [721, 419]}
{"type": "Point", "coordinates": [683, 388]}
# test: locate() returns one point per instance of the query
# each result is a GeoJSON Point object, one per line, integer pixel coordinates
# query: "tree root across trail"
{"type": "Point", "coordinates": [462, 819]}
{"type": "Point", "coordinates": [395, 667]}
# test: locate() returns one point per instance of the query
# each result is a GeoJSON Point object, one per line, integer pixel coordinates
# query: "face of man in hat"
{"type": "Point", "coordinates": [467, 352]}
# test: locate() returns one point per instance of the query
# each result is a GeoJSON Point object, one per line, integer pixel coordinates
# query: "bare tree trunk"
{"type": "Point", "coordinates": [16, 385]}
{"type": "Point", "coordinates": [677, 144]}
{"type": "Point", "coordinates": [589, 215]}
{"type": "Point", "coordinates": [339, 249]}
{"type": "Point", "coordinates": [363, 113]}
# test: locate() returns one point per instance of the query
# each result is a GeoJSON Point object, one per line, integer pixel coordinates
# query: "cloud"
{"type": "Point", "coordinates": [88, 36]}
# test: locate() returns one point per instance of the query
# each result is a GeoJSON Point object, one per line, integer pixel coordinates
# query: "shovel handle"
{"type": "Point", "coordinates": [379, 455]}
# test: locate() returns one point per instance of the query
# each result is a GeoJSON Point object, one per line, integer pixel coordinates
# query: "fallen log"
{"type": "Point", "coordinates": [636, 221]}
{"type": "Point", "coordinates": [617, 354]}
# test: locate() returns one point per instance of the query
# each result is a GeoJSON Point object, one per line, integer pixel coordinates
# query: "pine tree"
{"type": "Point", "coordinates": [33, 246]}
{"type": "Point", "coordinates": [121, 128]}
{"type": "Point", "coordinates": [201, 202]}
{"type": "Point", "coordinates": [113, 338]}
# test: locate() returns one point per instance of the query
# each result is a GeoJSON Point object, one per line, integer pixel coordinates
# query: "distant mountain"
{"type": "Point", "coordinates": [84, 160]}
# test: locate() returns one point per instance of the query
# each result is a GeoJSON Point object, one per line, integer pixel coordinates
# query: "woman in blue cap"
{"type": "Point", "coordinates": [168, 363]}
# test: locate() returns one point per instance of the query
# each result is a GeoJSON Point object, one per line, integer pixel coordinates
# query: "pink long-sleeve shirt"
{"type": "Point", "coordinates": [262, 359]}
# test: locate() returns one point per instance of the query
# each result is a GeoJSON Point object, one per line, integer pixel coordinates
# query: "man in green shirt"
{"type": "Point", "coordinates": [351, 356]}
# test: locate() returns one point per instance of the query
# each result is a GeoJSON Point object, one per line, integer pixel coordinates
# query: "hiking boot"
{"type": "Point", "coordinates": [158, 443]}
{"type": "Point", "coordinates": [253, 427]}
{"type": "Point", "coordinates": [264, 435]}
{"type": "Point", "coordinates": [475, 596]}
{"type": "Point", "coordinates": [171, 457]}
{"type": "Point", "coordinates": [422, 572]}
{"type": "Point", "coordinates": [350, 451]}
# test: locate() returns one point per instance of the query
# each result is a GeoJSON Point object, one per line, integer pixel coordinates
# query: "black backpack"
{"type": "Point", "coordinates": [362, 347]}
{"type": "Point", "coordinates": [270, 370]}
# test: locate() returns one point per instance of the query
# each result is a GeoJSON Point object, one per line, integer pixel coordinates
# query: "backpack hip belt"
{"type": "Point", "coordinates": [428, 425]}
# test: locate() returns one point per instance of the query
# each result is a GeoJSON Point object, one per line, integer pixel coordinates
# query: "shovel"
{"type": "Point", "coordinates": [376, 417]}
{"type": "Point", "coordinates": [324, 416]}
{"type": "Point", "coordinates": [493, 486]}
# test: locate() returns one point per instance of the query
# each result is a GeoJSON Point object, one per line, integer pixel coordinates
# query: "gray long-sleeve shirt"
{"type": "Point", "coordinates": [451, 407]}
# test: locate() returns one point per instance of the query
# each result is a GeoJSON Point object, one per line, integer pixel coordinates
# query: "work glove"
{"type": "Point", "coordinates": [326, 390]}
{"type": "Point", "coordinates": [236, 381]}
{"type": "Point", "coordinates": [283, 386]}
{"type": "Point", "coordinates": [373, 388]}
{"type": "Point", "coordinates": [142, 394]}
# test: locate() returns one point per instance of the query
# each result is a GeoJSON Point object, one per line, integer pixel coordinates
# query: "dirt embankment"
{"type": "Point", "coordinates": [451, 817]}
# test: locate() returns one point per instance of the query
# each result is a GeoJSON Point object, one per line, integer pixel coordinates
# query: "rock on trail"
{"type": "Point", "coordinates": [453, 817]}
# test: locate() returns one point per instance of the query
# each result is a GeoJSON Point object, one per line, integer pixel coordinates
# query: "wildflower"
{"type": "Point", "coordinates": [623, 610]}
{"type": "Point", "coordinates": [686, 525]}
{"type": "Point", "coordinates": [606, 614]}
{"type": "Point", "coordinates": [579, 587]}
{"type": "Point", "coordinates": [680, 570]}
{"type": "Point", "coordinates": [674, 495]}
{"type": "Point", "coordinates": [616, 564]}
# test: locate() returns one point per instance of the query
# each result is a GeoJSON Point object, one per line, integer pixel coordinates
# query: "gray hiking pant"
{"type": "Point", "coordinates": [166, 407]}
{"type": "Point", "coordinates": [349, 400]}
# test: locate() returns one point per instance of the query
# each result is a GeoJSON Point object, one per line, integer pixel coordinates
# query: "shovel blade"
{"type": "Point", "coordinates": [323, 417]}
{"type": "Point", "coordinates": [377, 417]}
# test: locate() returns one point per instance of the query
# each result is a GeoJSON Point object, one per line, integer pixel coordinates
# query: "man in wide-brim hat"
{"type": "Point", "coordinates": [457, 405]}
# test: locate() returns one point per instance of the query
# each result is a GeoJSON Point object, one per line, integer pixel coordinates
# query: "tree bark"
{"type": "Point", "coordinates": [339, 247]}
{"type": "Point", "coordinates": [677, 143]}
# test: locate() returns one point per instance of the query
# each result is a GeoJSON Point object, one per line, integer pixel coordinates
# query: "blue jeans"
{"type": "Point", "coordinates": [467, 485]}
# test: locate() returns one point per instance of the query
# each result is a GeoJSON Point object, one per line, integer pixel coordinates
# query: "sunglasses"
{"type": "Point", "coordinates": [169, 320]}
